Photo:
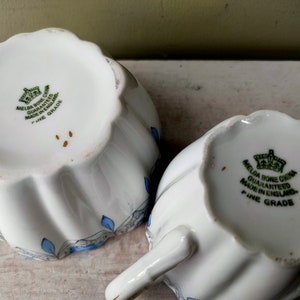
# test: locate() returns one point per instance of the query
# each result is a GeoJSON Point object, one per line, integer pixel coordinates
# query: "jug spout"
{"type": "Point", "coordinates": [178, 245]}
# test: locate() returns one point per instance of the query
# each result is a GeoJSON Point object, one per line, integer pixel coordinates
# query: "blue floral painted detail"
{"type": "Point", "coordinates": [190, 298]}
{"type": "Point", "coordinates": [155, 134]}
{"type": "Point", "coordinates": [108, 223]}
{"type": "Point", "coordinates": [82, 248]}
{"type": "Point", "coordinates": [48, 246]}
{"type": "Point", "coordinates": [89, 243]}
{"type": "Point", "coordinates": [147, 184]}
{"type": "Point", "coordinates": [86, 247]}
{"type": "Point", "coordinates": [149, 221]}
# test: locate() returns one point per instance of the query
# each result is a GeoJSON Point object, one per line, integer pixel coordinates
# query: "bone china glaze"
{"type": "Point", "coordinates": [78, 144]}
{"type": "Point", "coordinates": [226, 223]}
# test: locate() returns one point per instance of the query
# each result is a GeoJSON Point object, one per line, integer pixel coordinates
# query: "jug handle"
{"type": "Point", "coordinates": [175, 247]}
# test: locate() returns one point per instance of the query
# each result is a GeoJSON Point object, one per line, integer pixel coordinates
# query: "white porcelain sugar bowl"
{"type": "Point", "coordinates": [78, 144]}
{"type": "Point", "coordinates": [226, 223]}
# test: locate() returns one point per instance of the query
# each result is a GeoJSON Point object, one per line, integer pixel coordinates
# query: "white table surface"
{"type": "Point", "coordinates": [191, 97]}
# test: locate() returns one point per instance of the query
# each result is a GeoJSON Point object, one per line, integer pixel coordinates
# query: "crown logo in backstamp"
{"type": "Point", "coordinates": [38, 104]}
{"type": "Point", "coordinates": [271, 189]}
{"type": "Point", "coordinates": [269, 161]}
{"type": "Point", "coordinates": [30, 94]}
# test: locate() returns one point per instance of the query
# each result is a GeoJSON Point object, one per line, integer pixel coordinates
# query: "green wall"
{"type": "Point", "coordinates": [255, 29]}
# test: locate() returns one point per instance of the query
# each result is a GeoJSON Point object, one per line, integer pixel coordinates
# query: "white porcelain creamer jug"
{"type": "Point", "coordinates": [226, 223]}
{"type": "Point", "coordinates": [78, 144]}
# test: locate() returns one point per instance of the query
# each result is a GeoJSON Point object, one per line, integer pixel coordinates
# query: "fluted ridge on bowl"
{"type": "Point", "coordinates": [60, 212]}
